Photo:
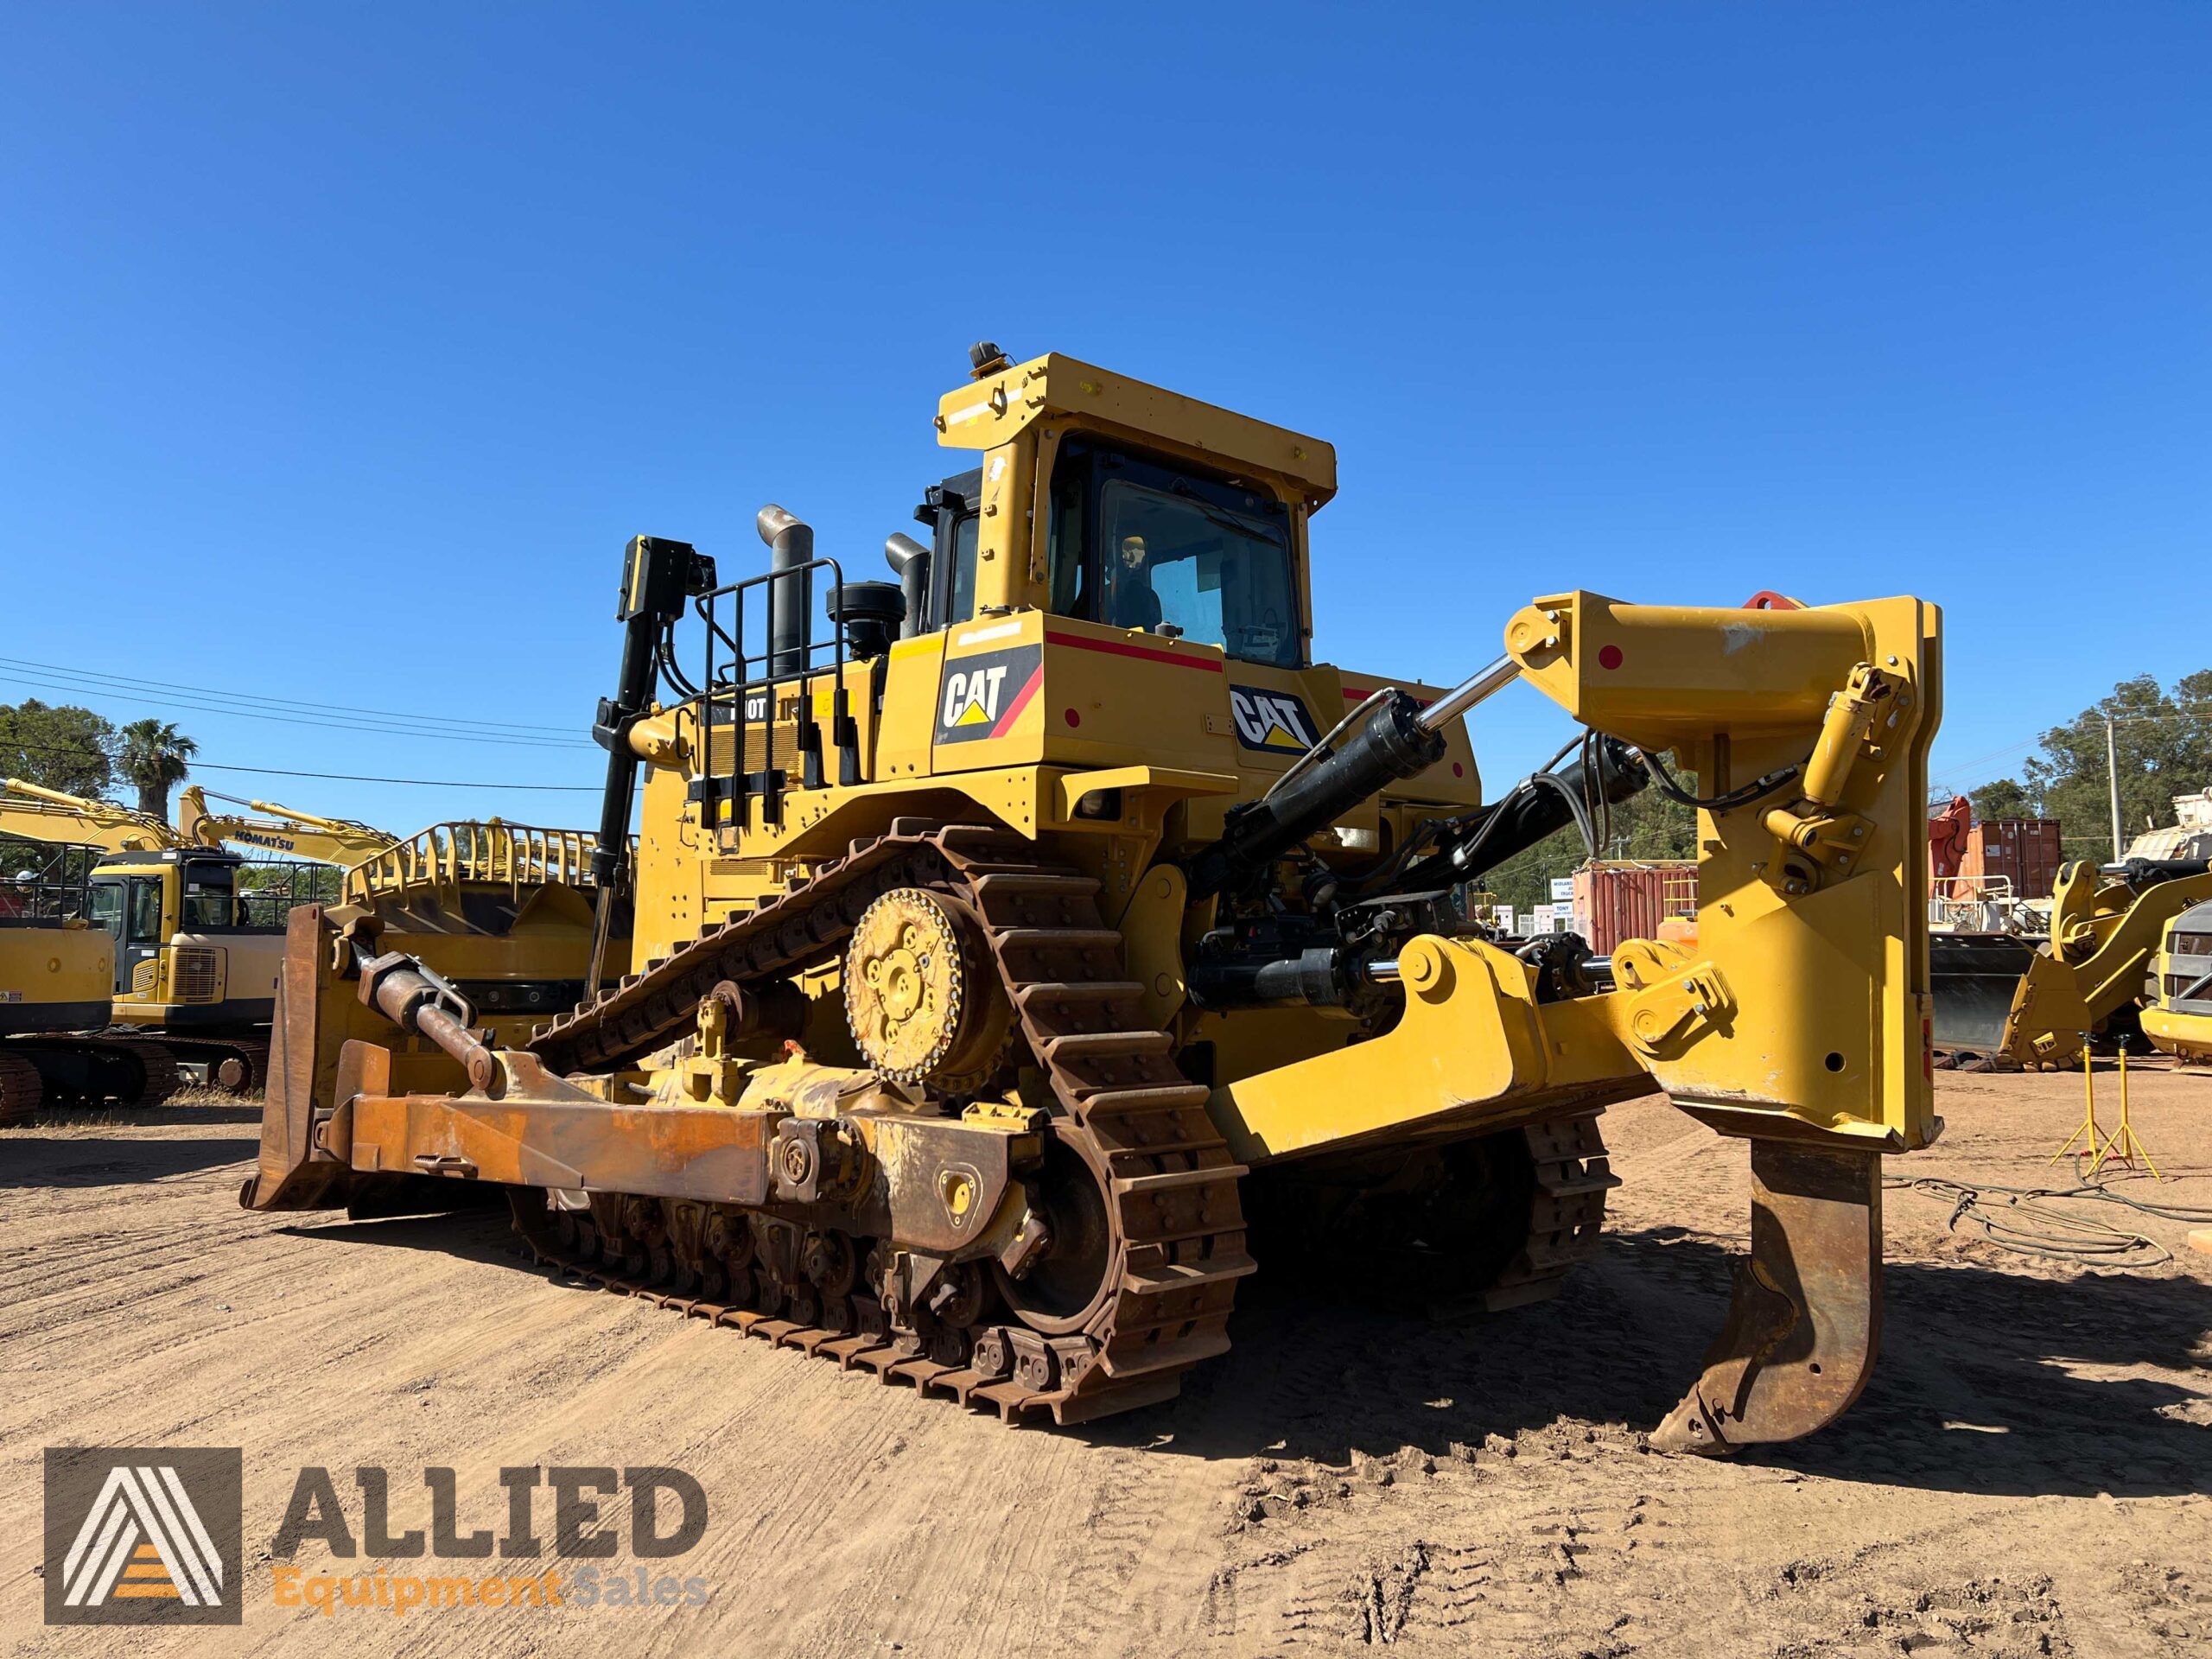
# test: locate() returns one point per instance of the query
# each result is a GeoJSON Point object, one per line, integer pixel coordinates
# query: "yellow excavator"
{"type": "Point", "coordinates": [343, 842]}
{"type": "Point", "coordinates": [195, 952]}
{"type": "Point", "coordinates": [1052, 941]}
{"type": "Point", "coordinates": [57, 982]}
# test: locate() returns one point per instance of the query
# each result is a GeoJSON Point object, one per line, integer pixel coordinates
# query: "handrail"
{"type": "Point", "coordinates": [448, 856]}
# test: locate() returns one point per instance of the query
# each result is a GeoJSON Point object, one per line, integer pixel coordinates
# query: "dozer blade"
{"type": "Point", "coordinates": [1807, 1313]}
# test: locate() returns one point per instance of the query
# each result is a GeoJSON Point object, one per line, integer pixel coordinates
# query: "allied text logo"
{"type": "Point", "coordinates": [143, 1535]}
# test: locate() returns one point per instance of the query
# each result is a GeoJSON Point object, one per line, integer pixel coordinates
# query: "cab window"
{"type": "Point", "coordinates": [961, 600]}
{"type": "Point", "coordinates": [207, 897]}
{"type": "Point", "coordinates": [206, 910]}
{"type": "Point", "coordinates": [107, 907]}
{"type": "Point", "coordinates": [1140, 544]}
{"type": "Point", "coordinates": [145, 910]}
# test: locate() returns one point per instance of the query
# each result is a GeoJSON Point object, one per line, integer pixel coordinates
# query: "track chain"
{"type": "Point", "coordinates": [1566, 1216]}
{"type": "Point", "coordinates": [20, 1090]}
{"type": "Point", "coordinates": [1179, 1245]}
{"type": "Point", "coordinates": [245, 1060]}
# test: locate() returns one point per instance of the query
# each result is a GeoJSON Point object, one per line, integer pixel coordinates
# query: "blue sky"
{"type": "Point", "coordinates": [345, 347]}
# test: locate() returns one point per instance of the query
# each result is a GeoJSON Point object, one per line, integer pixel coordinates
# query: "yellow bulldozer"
{"type": "Point", "coordinates": [1011, 945]}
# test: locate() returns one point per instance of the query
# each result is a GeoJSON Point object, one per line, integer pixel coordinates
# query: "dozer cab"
{"type": "Point", "coordinates": [999, 942]}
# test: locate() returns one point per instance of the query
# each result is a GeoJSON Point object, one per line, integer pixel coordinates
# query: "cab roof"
{"type": "Point", "coordinates": [991, 410]}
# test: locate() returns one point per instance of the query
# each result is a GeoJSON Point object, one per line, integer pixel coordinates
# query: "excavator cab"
{"type": "Point", "coordinates": [189, 946]}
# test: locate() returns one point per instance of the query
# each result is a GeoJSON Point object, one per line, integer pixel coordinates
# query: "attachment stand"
{"type": "Point", "coordinates": [2087, 1133]}
{"type": "Point", "coordinates": [2124, 1146]}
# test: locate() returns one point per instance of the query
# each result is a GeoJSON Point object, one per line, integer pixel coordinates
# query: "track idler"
{"type": "Point", "coordinates": [1806, 1316]}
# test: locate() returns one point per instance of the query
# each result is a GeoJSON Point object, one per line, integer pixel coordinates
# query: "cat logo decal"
{"type": "Point", "coordinates": [1272, 721]}
{"type": "Point", "coordinates": [985, 695]}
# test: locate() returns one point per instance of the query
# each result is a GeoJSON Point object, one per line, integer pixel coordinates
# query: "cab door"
{"type": "Point", "coordinates": [142, 928]}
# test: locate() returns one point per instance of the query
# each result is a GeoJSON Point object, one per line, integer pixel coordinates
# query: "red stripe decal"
{"type": "Point", "coordinates": [1021, 699]}
{"type": "Point", "coordinates": [1351, 696]}
{"type": "Point", "coordinates": [1115, 648]}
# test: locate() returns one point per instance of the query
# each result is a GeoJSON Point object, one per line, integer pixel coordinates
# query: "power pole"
{"type": "Point", "coordinates": [2112, 776]}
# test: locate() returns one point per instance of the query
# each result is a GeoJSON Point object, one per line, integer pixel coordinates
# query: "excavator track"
{"type": "Point", "coordinates": [236, 1066]}
{"type": "Point", "coordinates": [1171, 1231]}
{"type": "Point", "coordinates": [65, 1078]}
{"type": "Point", "coordinates": [20, 1091]}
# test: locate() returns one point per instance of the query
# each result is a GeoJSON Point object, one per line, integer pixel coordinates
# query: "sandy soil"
{"type": "Point", "coordinates": [2027, 1474]}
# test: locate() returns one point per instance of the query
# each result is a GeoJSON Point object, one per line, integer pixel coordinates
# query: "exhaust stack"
{"type": "Point", "coordinates": [911, 561]}
{"type": "Point", "coordinates": [790, 544]}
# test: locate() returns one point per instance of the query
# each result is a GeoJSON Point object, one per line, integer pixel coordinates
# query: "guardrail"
{"type": "Point", "coordinates": [448, 857]}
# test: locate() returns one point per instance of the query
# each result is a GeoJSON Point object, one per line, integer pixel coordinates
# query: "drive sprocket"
{"type": "Point", "coordinates": [922, 995]}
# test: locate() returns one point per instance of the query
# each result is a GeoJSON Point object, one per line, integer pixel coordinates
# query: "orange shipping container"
{"type": "Point", "coordinates": [2022, 851]}
{"type": "Point", "coordinates": [1617, 901]}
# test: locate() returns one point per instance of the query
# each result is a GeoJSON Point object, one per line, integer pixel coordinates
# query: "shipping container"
{"type": "Point", "coordinates": [2016, 858]}
{"type": "Point", "coordinates": [1616, 901]}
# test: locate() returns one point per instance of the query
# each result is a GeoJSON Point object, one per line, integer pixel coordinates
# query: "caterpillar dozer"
{"type": "Point", "coordinates": [1014, 953]}
{"type": "Point", "coordinates": [57, 975]}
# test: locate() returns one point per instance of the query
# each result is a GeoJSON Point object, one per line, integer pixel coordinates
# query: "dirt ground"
{"type": "Point", "coordinates": [2026, 1475]}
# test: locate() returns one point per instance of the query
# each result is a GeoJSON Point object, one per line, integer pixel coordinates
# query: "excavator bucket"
{"type": "Point", "coordinates": [1806, 1316]}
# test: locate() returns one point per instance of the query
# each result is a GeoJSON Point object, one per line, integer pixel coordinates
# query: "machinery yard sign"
{"type": "Point", "coordinates": [135, 1536]}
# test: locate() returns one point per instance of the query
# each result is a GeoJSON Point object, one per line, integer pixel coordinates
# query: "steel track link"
{"type": "Point", "coordinates": [1177, 1229]}
{"type": "Point", "coordinates": [1566, 1216]}
{"type": "Point", "coordinates": [20, 1090]}
{"type": "Point", "coordinates": [237, 1065]}
{"type": "Point", "coordinates": [1179, 1245]}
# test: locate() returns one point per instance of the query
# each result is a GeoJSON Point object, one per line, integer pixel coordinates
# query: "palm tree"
{"type": "Point", "coordinates": [154, 758]}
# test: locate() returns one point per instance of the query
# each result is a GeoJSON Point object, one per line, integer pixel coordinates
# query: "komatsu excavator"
{"type": "Point", "coordinates": [196, 954]}
{"type": "Point", "coordinates": [57, 982]}
{"type": "Point", "coordinates": [1000, 945]}
{"type": "Point", "coordinates": [342, 842]}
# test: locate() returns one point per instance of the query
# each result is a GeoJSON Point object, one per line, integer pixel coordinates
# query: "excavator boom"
{"type": "Point", "coordinates": [320, 840]}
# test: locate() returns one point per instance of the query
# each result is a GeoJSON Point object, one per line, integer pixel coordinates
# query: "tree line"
{"type": "Point", "coordinates": [61, 746]}
{"type": "Point", "coordinates": [2161, 743]}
